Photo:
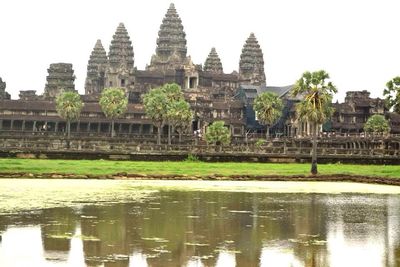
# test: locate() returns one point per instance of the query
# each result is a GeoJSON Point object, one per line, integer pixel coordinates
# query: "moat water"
{"type": "Point", "coordinates": [160, 223]}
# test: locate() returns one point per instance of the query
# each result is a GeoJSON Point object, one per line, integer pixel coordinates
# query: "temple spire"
{"type": "Point", "coordinates": [121, 49]}
{"type": "Point", "coordinates": [60, 78]}
{"type": "Point", "coordinates": [213, 62]}
{"type": "Point", "coordinates": [120, 72]}
{"type": "Point", "coordinates": [251, 65]}
{"type": "Point", "coordinates": [96, 68]}
{"type": "Point", "coordinates": [3, 94]}
{"type": "Point", "coordinates": [171, 42]}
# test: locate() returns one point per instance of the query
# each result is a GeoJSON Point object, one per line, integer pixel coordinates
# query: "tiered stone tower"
{"type": "Point", "coordinates": [251, 66]}
{"type": "Point", "coordinates": [171, 43]}
{"type": "Point", "coordinates": [61, 77]}
{"type": "Point", "coordinates": [120, 71]}
{"type": "Point", "coordinates": [213, 62]}
{"type": "Point", "coordinates": [96, 69]}
{"type": "Point", "coordinates": [3, 94]}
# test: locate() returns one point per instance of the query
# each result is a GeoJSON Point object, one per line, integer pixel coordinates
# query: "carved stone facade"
{"type": "Point", "coordinates": [3, 94]}
{"type": "Point", "coordinates": [358, 106]}
{"type": "Point", "coordinates": [29, 95]}
{"type": "Point", "coordinates": [60, 78]}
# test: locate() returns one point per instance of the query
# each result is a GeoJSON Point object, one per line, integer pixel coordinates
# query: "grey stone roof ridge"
{"type": "Point", "coordinates": [279, 90]}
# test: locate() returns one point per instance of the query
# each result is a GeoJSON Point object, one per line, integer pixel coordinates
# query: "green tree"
{"type": "Point", "coordinates": [392, 94]}
{"type": "Point", "coordinates": [180, 116]}
{"type": "Point", "coordinates": [268, 107]}
{"type": "Point", "coordinates": [173, 94]}
{"type": "Point", "coordinates": [157, 102]}
{"type": "Point", "coordinates": [114, 103]}
{"type": "Point", "coordinates": [377, 124]}
{"type": "Point", "coordinates": [156, 107]}
{"type": "Point", "coordinates": [316, 106]}
{"type": "Point", "coordinates": [173, 91]}
{"type": "Point", "coordinates": [69, 106]}
{"type": "Point", "coordinates": [218, 134]}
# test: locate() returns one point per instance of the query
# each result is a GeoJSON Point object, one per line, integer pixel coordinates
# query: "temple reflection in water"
{"type": "Point", "coordinates": [210, 229]}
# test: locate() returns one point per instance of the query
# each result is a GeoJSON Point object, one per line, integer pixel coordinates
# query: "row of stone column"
{"type": "Point", "coordinates": [94, 127]}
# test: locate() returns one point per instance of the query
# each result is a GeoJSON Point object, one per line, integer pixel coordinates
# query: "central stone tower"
{"type": "Point", "coordinates": [251, 65]}
{"type": "Point", "coordinates": [171, 43]}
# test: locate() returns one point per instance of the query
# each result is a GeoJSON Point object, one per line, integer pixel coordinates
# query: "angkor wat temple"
{"type": "Point", "coordinates": [213, 94]}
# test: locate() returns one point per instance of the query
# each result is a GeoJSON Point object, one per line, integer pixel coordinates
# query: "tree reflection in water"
{"type": "Point", "coordinates": [183, 228]}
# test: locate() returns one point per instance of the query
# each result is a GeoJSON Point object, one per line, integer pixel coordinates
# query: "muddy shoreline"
{"type": "Point", "coordinates": [133, 176]}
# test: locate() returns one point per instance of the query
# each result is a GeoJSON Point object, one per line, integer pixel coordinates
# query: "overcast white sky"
{"type": "Point", "coordinates": [356, 41]}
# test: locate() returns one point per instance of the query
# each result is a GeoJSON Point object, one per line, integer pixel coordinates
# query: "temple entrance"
{"type": "Point", "coordinates": [195, 125]}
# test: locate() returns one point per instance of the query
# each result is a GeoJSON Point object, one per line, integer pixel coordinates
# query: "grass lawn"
{"type": "Point", "coordinates": [100, 167]}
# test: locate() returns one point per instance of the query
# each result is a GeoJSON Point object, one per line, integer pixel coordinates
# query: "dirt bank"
{"type": "Point", "coordinates": [133, 176]}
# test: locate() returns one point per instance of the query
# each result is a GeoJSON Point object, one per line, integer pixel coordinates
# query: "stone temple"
{"type": "Point", "coordinates": [212, 94]}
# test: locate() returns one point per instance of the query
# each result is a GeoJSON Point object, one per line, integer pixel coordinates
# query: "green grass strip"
{"type": "Point", "coordinates": [103, 167]}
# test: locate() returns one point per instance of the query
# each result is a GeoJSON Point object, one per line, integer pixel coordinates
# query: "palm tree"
{"type": "Point", "coordinates": [69, 106]}
{"type": "Point", "coordinates": [315, 108]}
{"type": "Point", "coordinates": [180, 116]}
{"type": "Point", "coordinates": [268, 107]}
{"type": "Point", "coordinates": [158, 101]}
{"type": "Point", "coordinates": [114, 103]}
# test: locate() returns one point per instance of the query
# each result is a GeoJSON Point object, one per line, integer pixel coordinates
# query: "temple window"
{"type": "Point", "coordinates": [192, 82]}
{"type": "Point", "coordinates": [122, 82]}
{"type": "Point", "coordinates": [110, 84]}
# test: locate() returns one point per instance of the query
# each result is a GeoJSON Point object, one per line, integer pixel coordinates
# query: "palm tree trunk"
{"type": "Point", "coordinates": [112, 128]}
{"type": "Point", "coordinates": [68, 129]}
{"type": "Point", "coordinates": [169, 134]}
{"type": "Point", "coordinates": [314, 168]}
{"type": "Point", "coordinates": [68, 133]}
{"type": "Point", "coordinates": [159, 134]}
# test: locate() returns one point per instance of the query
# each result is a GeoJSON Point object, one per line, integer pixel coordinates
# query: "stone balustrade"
{"type": "Point", "coordinates": [385, 149]}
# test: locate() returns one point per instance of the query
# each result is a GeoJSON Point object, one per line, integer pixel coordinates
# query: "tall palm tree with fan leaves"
{"type": "Point", "coordinates": [316, 106]}
{"type": "Point", "coordinates": [69, 106]}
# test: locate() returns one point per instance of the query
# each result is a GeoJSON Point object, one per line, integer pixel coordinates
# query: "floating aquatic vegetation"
{"type": "Point", "coordinates": [156, 239]}
{"type": "Point", "coordinates": [240, 211]}
{"type": "Point", "coordinates": [60, 236]}
{"type": "Point", "coordinates": [88, 217]}
{"type": "Point", "coordinates": [196, 244]}
{"type": "Point", "coordinates": [161, 251]}
{"type": "Point", "coordinates": [19, 195]}
{"type": "Point", "coordinates": [88, 238]}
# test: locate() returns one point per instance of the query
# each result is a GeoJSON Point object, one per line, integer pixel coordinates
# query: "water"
{"type": "Point", "coordinates": [155, 223]}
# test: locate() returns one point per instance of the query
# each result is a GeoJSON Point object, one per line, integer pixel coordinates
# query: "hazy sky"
{"type": "Point", "coordinates": [356, 41]}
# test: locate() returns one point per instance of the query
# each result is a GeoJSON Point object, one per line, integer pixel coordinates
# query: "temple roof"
{"type": "Point", "coordinates": [213, 62]}
{"type": "Point", "coordinates": [171, 37]}
{"type": "Point", "coordinates": [279, 90]}
{"type": "Point", "coordinates": [41, 105]}
{"type": "Point", "coordinates": [121, 49]}
{"type": "Point", "coordinates": [251, 65]}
